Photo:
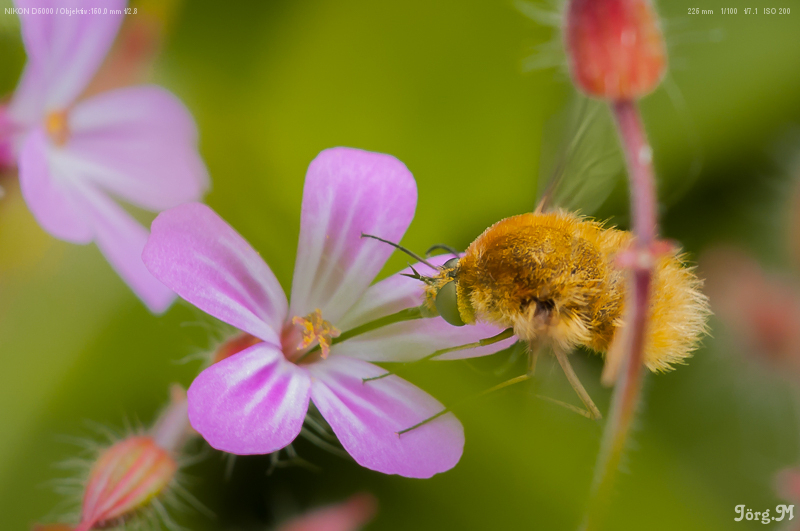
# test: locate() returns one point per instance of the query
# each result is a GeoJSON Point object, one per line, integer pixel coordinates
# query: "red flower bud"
{"type": "Point", "coordinates": [616, 50]}
{"type": "Point", "coordinates": [124, 479]}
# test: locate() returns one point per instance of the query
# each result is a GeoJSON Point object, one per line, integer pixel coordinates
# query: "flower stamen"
{"type": "Point", "coordinates": [57, 127]}
{"type": "Point", "coordinates": [315, 328]}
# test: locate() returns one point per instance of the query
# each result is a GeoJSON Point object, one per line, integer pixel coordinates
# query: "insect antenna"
{"type": "Point", "coordinates": [446, 247]}
{"type": "Point", "coordinates": [416, 276]}
{"type": "Point", "coordinates": [412, 254]}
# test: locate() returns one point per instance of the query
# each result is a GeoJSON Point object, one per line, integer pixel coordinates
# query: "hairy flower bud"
{"type": "Point", "coordinates": [124, 479]}
{"type": "Point", "coordinates": [616, 50]}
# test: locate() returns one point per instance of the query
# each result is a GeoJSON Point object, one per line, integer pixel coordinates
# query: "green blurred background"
{"type": "Point", "coordinates": [441, 86]}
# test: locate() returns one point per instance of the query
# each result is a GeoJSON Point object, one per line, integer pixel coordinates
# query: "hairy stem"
{"type": "Point", "coordinates": [638, 156]}
{"type": "Point", "coordinates": [639, 159]}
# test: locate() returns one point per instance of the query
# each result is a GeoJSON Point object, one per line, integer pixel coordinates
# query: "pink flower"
{"type": "Point", "coordinates": [138, 144]}
{"type": "Point", "coordinates": [255, 401]}
{"type": "Point", "coordinates": [787, 485]}
{"type": "Point", "coordinates": [349, 515]}
{"type": "Point", "coordinates": [760, 310]}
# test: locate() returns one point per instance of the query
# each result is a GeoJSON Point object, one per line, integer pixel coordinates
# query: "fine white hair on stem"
{"type": "Point", "coordinates": [87, 445]}
{"type": "Point", "coordinates": [678, 32]}
{"type": "Point", "coordinates": [549, 54]}
{"type": "Point", "coordinates": [101, 430]}
{"type": "Point", "coordinates": [164, 516]}
{"type": "Point", "coordinates": [322, 443]}
{"type": "Point", "coordinates": [182, 495]}
{"type": "Point", "coordinates": [293, 459]}
{"type": "Point", "coordinates": [230, 463]}
{"type": "Point", "coordinates": [186, 460]}
{"type": "Point", "coordinates": [321, 428]}
{"type": "Point", "coordinates": [217, 333]}
{"type": "Point", "coordinates": [549, 15]}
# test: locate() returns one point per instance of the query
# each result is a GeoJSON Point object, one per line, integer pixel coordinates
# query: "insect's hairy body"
{"type": "Point", "coordinates": [551, 276]}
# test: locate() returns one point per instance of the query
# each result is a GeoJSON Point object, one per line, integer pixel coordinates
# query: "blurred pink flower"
{"type": "Point", "coordinates": [138, 144]}
{"type": "Point", "coordinates": [255, 401]}
{"type": "Point", "coordinates": [350, 515]}
{"type": "Point", "coordinates": [787, 485]}
{"type": "Point", "coordinates": [760, 311]}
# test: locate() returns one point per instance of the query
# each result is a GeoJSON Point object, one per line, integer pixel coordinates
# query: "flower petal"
{"type": "Point", "coordinates": [139, 143]}
{"type": "Point", "coordinates": [67, 50]}
{"type": "Point", "coordinates": [121, 239]}
{"type": "Point", "coordinates": [410, 340]}
{"type": "Point", "coordinates": [391, 295]}
{"type": "Point", "coordinates": [251, 403]}
{"type": "Point", "coordinates": [348, 192]}
{"type": "Point", "coordinates": [27, 106]}
{"type": "Point", "coordinates": [366, 417]}
{"type": "Point", "coordinates": [76, 212]}
{"type": "Point", "coordinates": [194, 252]}
{"type": "Point", "coordinates": [55, 203]}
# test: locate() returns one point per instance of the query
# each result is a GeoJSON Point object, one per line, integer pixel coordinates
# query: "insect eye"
{"type": "Point", "coordinates": [447, 303]}
{"type": "Point", "coordinates": [451, 264]}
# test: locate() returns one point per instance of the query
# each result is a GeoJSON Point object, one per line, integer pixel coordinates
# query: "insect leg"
{"type": "Point", "coordinates": [572, 408]}
{"type": "Point", "coordinates": [497, 387]}
{"type": "Point", "coordinates": [561, 356]}
{"type": "Point", "coordinates": [533, 357]}
{"type": "Point", "coordinates": [505, 334]}
{"type": "Point", "coordinates": [593, 412]}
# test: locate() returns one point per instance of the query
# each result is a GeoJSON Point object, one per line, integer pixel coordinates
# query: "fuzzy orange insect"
{"type": "Point", "coordinates": [551, 278]}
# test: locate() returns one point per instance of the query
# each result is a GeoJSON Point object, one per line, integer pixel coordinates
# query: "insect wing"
{"type": "Point", "coordinates": [580, 162]}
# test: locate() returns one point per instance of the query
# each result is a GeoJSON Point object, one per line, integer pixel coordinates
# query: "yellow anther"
{"type": "Point", "coordinates": [57, 127]}
{"type": "Point", "coordinates": [315, 328]}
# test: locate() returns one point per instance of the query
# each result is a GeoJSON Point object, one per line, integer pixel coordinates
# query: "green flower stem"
{"type": "Point", "coordinates": [625, 399]}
